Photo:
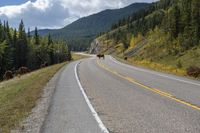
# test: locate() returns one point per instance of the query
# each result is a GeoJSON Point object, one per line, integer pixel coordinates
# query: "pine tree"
{"type": "Point", "coordinates": [15, 38]}
{"type": "Point", "coordinates": [3, 64]}
{"type": "Point", "coordinates": [49, 40]}
{"type": "Point", "coordinates": [196, 19]}
{"type": "Point", "coordinates": [186, 13]}
{"type": "Point", "coordinates": [174, 21]}
{"type": "Point", "coordinates": [36, 37]}
{"type": "Point", "coordinates": [21, 47]}
{"type": "Point", "coordinates": [8, 34]}
{"type": "Point", "coordinates": [1, 32]}
{"type": "Point", "coordinates": [21, 30]}
{"type": "Point", "coordinates": [8, 57]}
{"type": "Point", "coordinates": [15, 48]}
{"type": "Point", "coordinates": [29, 33]}
{"type": "Point", "coordinates": [4, 25]}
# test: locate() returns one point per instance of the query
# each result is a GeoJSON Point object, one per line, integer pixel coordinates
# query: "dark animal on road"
{"type": "Point", "coordinates": [8, 75]}
{"type": "Point", "coordinates": [44, 65]}
{"type": "Point", "coordinates": [193, 71]}
{"type": "Point", "coordinates": [125, 58]}
{"type": "Point", "coordinates": [101, 56]}
{"type": "Point", "coordinates": [23, 70]}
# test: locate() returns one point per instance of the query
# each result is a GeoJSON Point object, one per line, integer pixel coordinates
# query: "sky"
{"type": "Point", "coordinates": [53, 14]}
{"type": "Point", "coordinates": [12, 2]}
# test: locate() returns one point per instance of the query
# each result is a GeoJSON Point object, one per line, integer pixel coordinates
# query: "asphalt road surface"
{"type": "Point", "coordinates": [122, 99]}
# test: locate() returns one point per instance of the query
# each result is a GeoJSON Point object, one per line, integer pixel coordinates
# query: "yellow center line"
{"type": "Point", "coordinates": [157, 91]}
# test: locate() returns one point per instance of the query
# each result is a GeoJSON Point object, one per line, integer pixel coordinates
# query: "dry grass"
{"type": "Point", "coordinates": [160, 67]}
{"type": "Point", "coordinates": [18, 96]}
{"type": "Point", "coordinates": [155, 66]}
{"type": "Point", "coordinates": [78, 56]}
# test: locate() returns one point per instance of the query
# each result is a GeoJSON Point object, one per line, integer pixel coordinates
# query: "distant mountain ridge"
{"type": "Point", "coordinates": [80, 33]}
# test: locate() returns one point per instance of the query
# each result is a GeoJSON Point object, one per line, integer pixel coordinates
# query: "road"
{"type": "Point", "coordinates": [118, 98]}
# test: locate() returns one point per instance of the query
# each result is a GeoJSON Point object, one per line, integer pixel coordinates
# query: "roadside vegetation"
{"type": "Point", "coordinates": [154, 66]}
{"type": "Point", "coordinates": [165, 36]}
{"type": "Point", "coordinates": [18, 96]}
{"type": "Point", "coordinates": [78, 56]}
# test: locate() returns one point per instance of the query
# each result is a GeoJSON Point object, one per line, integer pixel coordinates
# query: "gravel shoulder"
{"type": "Point", "coordinates": [34, 122]}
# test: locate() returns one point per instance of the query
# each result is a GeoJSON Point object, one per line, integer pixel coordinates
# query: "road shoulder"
{"type": "Point", "coordinates": [33, 123]}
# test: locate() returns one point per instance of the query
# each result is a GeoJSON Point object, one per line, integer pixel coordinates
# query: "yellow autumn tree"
{"type": "Point", "coordinates": [135, 40]}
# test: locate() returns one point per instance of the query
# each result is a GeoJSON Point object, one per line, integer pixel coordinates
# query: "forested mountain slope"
{"type": "Point", "coordinates": [167, 34]}
{"type": "Point", "coordinates": [80, 33]}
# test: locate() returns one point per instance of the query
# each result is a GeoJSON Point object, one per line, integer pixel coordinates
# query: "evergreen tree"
{"type": "Point", "coordinates": [15, 48]}
{"type": "Point", "coordinates": [21, 30]}
{"type": "Point", "coordinates": [4, 25]}
{"type": "Point", "coordinates": [36, 37]}
{"type": "Point", "coordinates": [15, 38]}
{"type": "Point", "coordinates": [49, 40]}
{"type": "Point", "coordinates": [8, 34]}
{"type": "Point", "coordinates": [3, 63]}
{"type": "Point", "coordinates": [8, 57]}
{"type": "Point", "coordinates": [29, 33]}
{"type": "Point", "coordinates": [21, 47]}
{"type": "Point", "coordinates": [173, 21]}
{"type": "Point", "coordinates": [1, 32]}
{"type": "Point", "coordinates": [196, 19]}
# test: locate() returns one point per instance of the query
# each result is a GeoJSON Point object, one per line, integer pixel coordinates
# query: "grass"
{"type": "Point", "coordinates": [19, 95]}
{"type": "Point", "coordinates": [78, 56]}
{"type": "Point", "coordinates": [154, 66]}
{"type": "Point", "coordinates": [160, 67]}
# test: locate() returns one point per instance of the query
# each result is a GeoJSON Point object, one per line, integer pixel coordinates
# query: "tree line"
{"type": "Point", "coordinates": [21, 49]}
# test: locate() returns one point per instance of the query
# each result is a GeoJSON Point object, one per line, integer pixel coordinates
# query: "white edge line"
{"type": "Point", "coordinates": [161, 75]}
{"type": "Point", "coordinates": [94, 113]}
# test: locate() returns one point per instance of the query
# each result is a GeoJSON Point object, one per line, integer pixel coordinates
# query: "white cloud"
{"type": "Point", "coordinates": [57, 13]}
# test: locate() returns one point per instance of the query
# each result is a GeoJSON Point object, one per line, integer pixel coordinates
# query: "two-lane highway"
{"type": "Point", "coordinates": [122, 99]}
{"type": "Point", "coordinates": [141, 101]}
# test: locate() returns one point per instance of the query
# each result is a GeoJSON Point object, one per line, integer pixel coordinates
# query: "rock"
{"type": "Point", "coordinates": [94, 47]}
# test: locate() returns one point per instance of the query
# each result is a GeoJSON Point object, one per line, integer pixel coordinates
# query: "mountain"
{"type": "Point", "coordinates": [165, 36]}
{"type": "Point", "coordinates": [80, 33]}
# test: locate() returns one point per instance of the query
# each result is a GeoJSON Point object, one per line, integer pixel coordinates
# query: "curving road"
{"type": "Point", "coordinates": [122, 99]}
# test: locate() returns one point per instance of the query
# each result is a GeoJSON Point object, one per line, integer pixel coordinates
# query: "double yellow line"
{"type": "Point", "coordinates": [157, 91]}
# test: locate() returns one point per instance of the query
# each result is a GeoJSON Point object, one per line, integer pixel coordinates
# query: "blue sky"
{"type": "Point", "coordinates": [55, 13]}
{"type": "Point", "coordinates": [12, 2]}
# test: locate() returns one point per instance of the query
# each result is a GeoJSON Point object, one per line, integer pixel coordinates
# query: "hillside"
{"type": "Point", "coordinates": [80, 33]}
{"type": "Point", "coordinates": [165, 36]}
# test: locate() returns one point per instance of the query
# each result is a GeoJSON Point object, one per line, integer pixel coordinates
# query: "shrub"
{"type": "Point", "coordinates": [179, 64]}
{"type": "Point", "coordinates": [193, 71]}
